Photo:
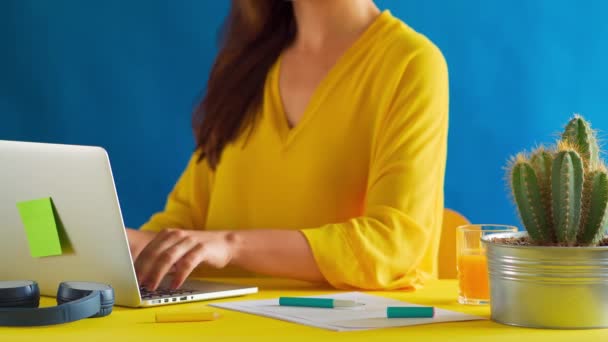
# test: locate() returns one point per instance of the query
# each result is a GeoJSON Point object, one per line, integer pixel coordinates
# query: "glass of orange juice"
{"type": "Point", "coordinates": [473, 284]}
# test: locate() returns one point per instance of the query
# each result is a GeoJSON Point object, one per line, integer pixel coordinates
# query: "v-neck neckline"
{"type": "Point", "coordinates": [287, 133]}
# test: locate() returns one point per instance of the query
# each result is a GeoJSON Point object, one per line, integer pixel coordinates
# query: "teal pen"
{"type": "Point", "coordinates": [410, 312]}
{"type": "Point", "coordinates": [327, 303]}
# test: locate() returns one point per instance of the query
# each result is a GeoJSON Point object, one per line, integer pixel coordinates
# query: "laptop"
{"type": "Point", "coordinates": [79, 181]}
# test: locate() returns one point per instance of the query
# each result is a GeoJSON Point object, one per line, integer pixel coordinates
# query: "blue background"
{"type": "Point", "coordinates": [125, 75]}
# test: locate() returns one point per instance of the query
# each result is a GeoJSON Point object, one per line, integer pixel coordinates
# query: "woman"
{"type": "Point", "coordinates": [321, 152]}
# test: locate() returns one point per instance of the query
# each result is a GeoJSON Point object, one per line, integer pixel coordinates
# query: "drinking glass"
{"type": "Point", "coordinates": [473, 284]}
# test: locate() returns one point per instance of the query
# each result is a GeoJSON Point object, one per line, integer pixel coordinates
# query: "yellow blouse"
{"type": "Point", "coordinates": [361, 175]}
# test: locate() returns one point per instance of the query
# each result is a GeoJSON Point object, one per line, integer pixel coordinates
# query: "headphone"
{"type": "Point", "coordinates": [75, 300]}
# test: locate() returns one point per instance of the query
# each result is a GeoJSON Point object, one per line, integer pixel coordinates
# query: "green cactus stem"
{"type": "Point", "coordinates": [597, 201]}
{"type": "Point", "coordinates": [579, 134]}
{"type": "Point", "coordinates": [542, 161]}
{"type": "Point", "coordinates": [527, 194]}
{"type": "Point", "coordinates": [567, 189]}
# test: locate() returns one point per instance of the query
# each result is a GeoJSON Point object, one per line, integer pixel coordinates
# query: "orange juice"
{"type": "Point", "coordinates": [473, 277]}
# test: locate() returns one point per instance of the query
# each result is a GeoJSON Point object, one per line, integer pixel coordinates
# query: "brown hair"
{"type": "Point", "coordinates": [252, 38]}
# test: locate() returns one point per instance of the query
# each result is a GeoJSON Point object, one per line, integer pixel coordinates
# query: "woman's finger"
{"type": "Point", "coordinates": [187, 264]}
{"type": "Point", "coordinates": [166, 260]}
{"type": "Point", "coordinates": [146, 260]}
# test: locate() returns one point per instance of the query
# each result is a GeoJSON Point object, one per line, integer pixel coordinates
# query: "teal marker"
{"type": "Point", "coordinates": [410, 312]}
{"type": "Point", "coordinates": [327, 303]}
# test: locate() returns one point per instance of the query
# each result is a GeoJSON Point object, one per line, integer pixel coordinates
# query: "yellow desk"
{"type": "Point", "coordinates": [138, 324]}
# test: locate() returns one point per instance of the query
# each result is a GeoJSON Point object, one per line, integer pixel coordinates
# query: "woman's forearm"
{"type": "Point", "coordinates": [279, 253]}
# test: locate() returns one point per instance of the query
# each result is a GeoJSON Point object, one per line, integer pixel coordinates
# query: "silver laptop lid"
{"type": "Point", "coordinates": [79, 181]}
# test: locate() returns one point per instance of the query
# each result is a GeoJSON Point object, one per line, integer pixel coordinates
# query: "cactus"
{"type": "Point", "coordinates": [578, 133]}
{"type": "Point", "coordinates": [567, 194]}
{"type": "Point", "coordinates": [596, 202]}
{"type": "Point", "coordinates": [561, 193]}
{"type": "Point", "coordinates": [527, 194]}
{"type": "Point", "coordinates": [542, 161]}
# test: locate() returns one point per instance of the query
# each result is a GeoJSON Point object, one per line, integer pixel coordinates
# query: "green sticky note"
{"type": "Point", "coordinates": [40, 227]}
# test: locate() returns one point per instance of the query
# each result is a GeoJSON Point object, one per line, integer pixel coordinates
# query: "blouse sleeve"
{"type": "Point", "coordinates": [394, 243]}
{"type": "Point", "coordinates": [187, 204]}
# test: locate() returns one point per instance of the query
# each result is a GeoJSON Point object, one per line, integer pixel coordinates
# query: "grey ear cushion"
{"type": "Point", "coordinates": [106, 307]}
{"type": "Point", "coordinates": [71, 291]}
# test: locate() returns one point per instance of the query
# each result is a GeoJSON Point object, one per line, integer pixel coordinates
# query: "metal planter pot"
{"type": "Point", "coordinates": [547, 287]}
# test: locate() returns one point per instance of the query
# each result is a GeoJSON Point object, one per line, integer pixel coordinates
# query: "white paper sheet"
{"type": "Point", "coordinates": [371, 315]}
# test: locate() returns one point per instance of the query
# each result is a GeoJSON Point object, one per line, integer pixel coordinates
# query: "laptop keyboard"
{"type": "Point", "coordinates": [164, 293]}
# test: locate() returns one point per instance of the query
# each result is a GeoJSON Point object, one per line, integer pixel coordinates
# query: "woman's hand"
{"type": "Point", "coordinates": [181, 251]}
{"type": "Point", "coordinates": [138, 240]}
